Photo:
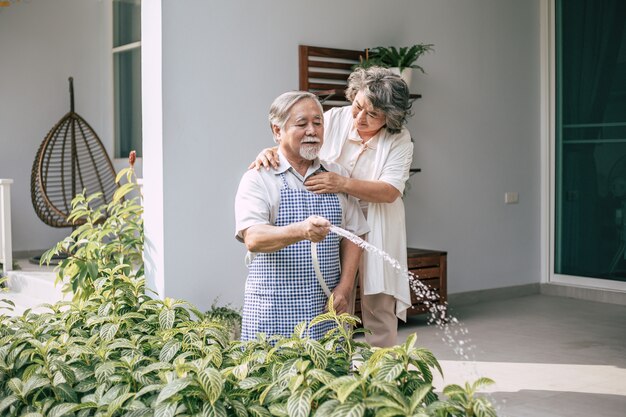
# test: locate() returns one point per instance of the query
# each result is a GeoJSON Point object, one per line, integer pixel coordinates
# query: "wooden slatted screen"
{"type": "Point", "coordinates": [325, 71]}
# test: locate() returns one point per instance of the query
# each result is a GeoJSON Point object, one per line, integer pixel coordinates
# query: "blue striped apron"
{"type": "Point", "coordinates": [282, 289]}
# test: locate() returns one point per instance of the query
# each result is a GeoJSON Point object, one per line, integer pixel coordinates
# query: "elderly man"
{"type": "Point", "coordinates": [277, 219]}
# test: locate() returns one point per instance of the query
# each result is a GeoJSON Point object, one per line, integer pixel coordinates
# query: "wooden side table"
{"type": "Point", "coordinates": [430, 267]}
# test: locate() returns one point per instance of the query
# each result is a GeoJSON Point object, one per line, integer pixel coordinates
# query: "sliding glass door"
{"type": "Point", "coordinates": [590, 149]}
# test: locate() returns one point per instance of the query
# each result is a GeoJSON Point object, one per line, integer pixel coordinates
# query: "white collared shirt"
{"type": "Point", "coordinates": [358, 158]}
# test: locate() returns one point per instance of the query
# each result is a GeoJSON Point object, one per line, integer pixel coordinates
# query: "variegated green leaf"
{"type": "Point", "coordinates": [132, 315]}
{"type": "Point", "coordinates": [481, 382]}
{"type": "Point", "coordinates": [258, 411]}
{"type": "Point", "coordinates": [214, 410]}
{"type": "Point", "coordinates": [418, 396]}
{"type": "Point", "coordinates": [66, 392]}
{"type": "Point", "coordinates": [122, 191]}
{"type": "Point", "coordinates": [85, 405]}
{"type": "Point", "coordinates": [172, 388]}
{"type": "Point", "coordinates": [299, 329]}
{"type": "Point", "coordinates": [453, 389]}
{"type": "Point", "coordinates": [61, 410]}
{"type": "Point", "coordinates": [299, 403]}
{"type": "Point", "coordinates": [148, 389]}
{"type": "Point", "coordinates": [166, 318]}
{"type": "Point", "coordinates": [165, 410]}
{"type": "Point", "coordinates": [321, 375]}
{"type": "Point", "coordinates": [240, 372]}
{"type": "Point", "coordinates": [326, 409]}
{"type": "Point", "coordinates": [86, 385]}
{"type": "Point", "coordinates": [344, 390]}
{"type": "Point", "coordinates": [382, 402]}
{"type": "Point", "coordinates": [113, 394]}
{"type": "Point", "coordinates": [33, 383]}
{"type": "Point", "coordinates": [321, 318]}
{"type": "Point", "coordinates": [240, 409]}
{"type": "Point", "coordinates": [7, 402]}
{"type": "Point", "coordinates": [108, 331]}
{"type": "Point", "coordinates": [16, 385]}
{"type": "Point", "coordinates": [157, 366]}
{"type": "Point", "coordinates": [117, 403]}
{"type": "Point", "coordinates": [389, 370]}
{"type": "Point", "coordinates": [104, 371]}
{"type": "Point", "coordinates": [391, 390]}
{"type": "Point", "coordinates": [252, 383]}
{"type": "Point", "coordinates": [317, 353]}
{"type": "Point", "coordinates": [212, 383]}
{"type": "Point", "coordinates": [278, 410]}
{"type": "Point", "coordinates": [483, 408]}
{"type": "Point", "coordinates": [395, 412]}
{"type": "Point", "coordinates": [410, 342]}
{"type": "Point", "coordinates": [169, 350]}
{"type": "Point", "coordinates": [352, 409]}
{"type": "Point", "coordinates": [141, 412]}
{"type": "Point", "coordinates": [66, 370]}
{"type": "Point", "coordinates": [121, 344]}
{"type": "Point", "coordinates": [268, 389]}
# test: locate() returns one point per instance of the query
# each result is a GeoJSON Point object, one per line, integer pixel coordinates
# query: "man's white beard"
{"type": "Point", "coordinates": [310, 148]}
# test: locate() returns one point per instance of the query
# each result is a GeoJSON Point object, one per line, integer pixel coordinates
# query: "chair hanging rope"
{"type": "Point", "coordinates": [70, 159]}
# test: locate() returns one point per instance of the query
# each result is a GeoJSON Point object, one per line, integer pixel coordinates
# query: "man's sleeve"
{"type": "Point", "coordinates": [252, 206]}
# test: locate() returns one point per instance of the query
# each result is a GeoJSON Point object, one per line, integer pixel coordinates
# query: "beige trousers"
{"type": "Point", "coordinates": [379, 317]}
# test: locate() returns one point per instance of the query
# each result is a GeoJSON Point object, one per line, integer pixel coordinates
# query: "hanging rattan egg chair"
{"type": "Point", "coordinates": [70, 159]}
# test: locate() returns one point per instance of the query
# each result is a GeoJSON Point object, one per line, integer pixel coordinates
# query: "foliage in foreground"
{"type": "Point", "coordinates": [117, 351]}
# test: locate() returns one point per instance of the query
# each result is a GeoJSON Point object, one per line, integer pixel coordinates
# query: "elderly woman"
{"type": "Point", "coordinates": [369, 139]}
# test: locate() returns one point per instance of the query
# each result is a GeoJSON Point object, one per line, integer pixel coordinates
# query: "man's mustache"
{"type": "Point", "coordinates": [311, 139]}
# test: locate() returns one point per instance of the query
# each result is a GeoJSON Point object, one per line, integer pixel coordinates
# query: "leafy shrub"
{"type": "Point", "coordinates": [109, 242]}
{"type": "Point", "coordinates": [122, 353]}
{"type": "Point", "coordinates": [115, 350]}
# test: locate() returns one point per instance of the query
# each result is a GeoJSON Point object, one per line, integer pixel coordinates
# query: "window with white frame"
{"type": "Point", "coordinates": [127, 76]}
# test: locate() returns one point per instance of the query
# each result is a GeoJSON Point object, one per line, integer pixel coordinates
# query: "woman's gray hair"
{"type": "Point", "coordinates": [385, 90]}
{"type": "Point", "coordinates": [281, 107]}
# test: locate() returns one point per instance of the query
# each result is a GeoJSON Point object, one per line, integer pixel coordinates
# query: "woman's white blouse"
{"type": "Point", "coordinates": [390, 163]}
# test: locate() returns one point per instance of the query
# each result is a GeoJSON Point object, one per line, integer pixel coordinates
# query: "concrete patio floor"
{"type": "Point", "coordinates": [549, 356]}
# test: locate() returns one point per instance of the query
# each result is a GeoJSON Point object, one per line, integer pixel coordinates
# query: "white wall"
{"type": "Point", "coordinates": [476, 128]}
{"type": "Point", "coordinates": [42, 43]}
{"type": "Point", "coordinates": [224, 61]}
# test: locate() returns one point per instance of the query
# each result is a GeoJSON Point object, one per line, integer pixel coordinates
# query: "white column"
{"type": "Point", "coordinates": [6, 248]}
{"type": "Point", "coordinates": [152, 118]}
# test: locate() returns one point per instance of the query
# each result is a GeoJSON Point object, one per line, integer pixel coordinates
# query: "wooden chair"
{"type": "Point", "coordinates": [325, 71]}
{"type": "Point", "coordinates": [70, 159]}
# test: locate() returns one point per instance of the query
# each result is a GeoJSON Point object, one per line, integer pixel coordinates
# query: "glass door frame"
{"type": "Point", "coordinates": [548, 150]}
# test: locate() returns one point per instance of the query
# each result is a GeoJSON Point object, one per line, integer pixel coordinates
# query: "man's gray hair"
{"type": "Point", "coordinates": [282, 105]}
{"type": "Point", "coordinates": [385, 90]}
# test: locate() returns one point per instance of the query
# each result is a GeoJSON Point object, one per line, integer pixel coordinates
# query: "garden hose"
{"type": "Point", "coordinates": [318, 271]}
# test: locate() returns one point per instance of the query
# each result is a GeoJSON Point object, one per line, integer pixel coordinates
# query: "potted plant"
{"type": "Point", "coordinates": [400, 60]}
{"type": "Point", "coordinates": [368, 61]}
{"type": "Point", "coordinates": [229, 317]}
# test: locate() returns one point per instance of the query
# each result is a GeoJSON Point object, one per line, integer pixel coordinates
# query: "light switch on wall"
{"type": "Point", "coordinates": [511, 197]}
